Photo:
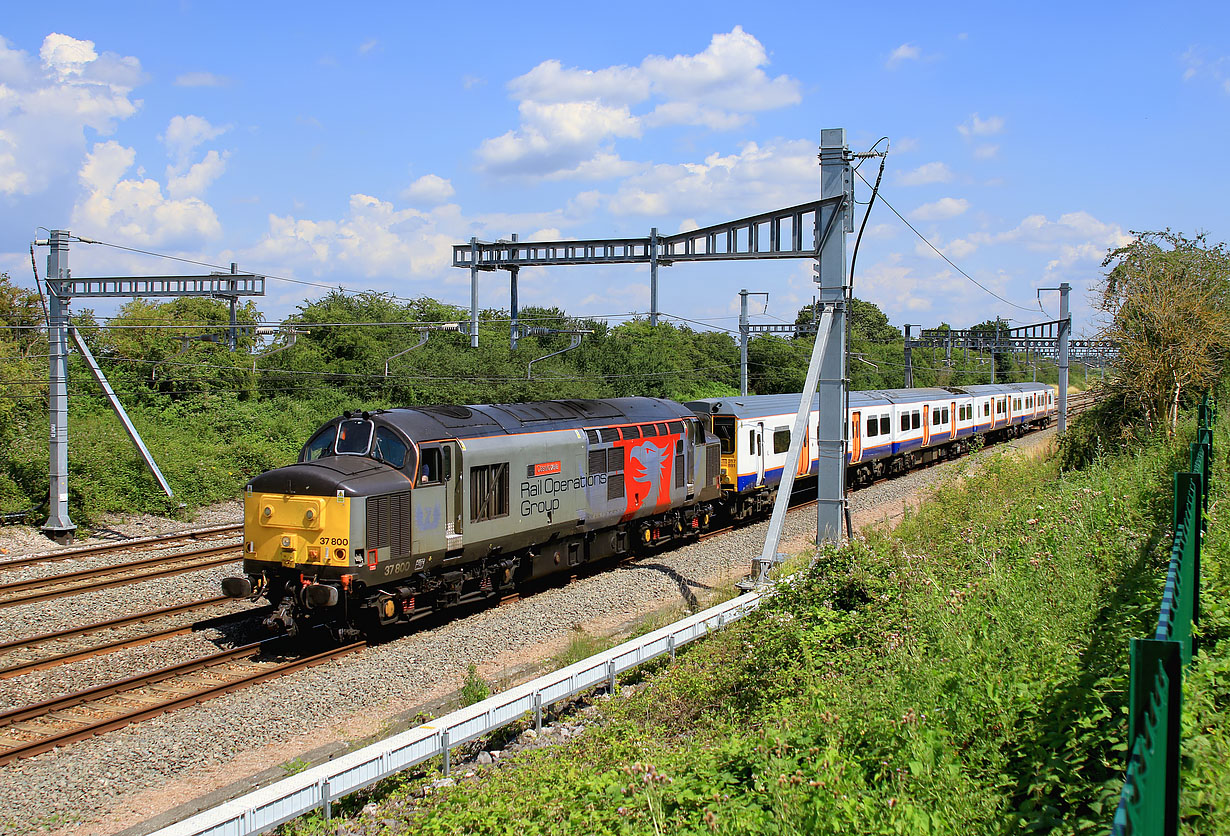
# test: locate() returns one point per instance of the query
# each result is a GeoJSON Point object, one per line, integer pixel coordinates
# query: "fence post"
{"type": "Point", "coordinates": [1145, 656]}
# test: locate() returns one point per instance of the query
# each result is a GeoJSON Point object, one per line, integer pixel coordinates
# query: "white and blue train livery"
{"type": "Point", "coordinates": [889, 431]}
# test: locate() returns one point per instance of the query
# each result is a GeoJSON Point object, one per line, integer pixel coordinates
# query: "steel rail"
{"type": "Point", "coordinates": [125, 581]}
{"type": "Point", "coordinates": [91, 729]}
{"type": "Point", "coordinates": [119, 644]}
{"type": "Point", "coordinates": [142, 543]}
{"type": "Point", "coordinates": [69, 577]}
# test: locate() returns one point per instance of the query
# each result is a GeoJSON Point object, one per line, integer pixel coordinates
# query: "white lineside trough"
{"type": "Point", "coordinates": [267, 807]}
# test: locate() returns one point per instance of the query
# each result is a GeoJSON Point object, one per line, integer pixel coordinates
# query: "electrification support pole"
{"type": "Point", "coordinates": [653, 277]}
{"type": "Point", "coordinates": [58, 526]}
{"type": "Point", "coordinates": [473, 293]}
{"type": "Point", "coordinates": [232, 338]}
{"type": "Point", "coordinates": [909, 360]}
{"type": "Point", "coordinates": [1065, 330]}
{"type": "Point", "coordinates": [743, 336]}
{"type": "Point", "coordinates": [833, 223]}
{"type": "Point", "coordinates": [512, 284]}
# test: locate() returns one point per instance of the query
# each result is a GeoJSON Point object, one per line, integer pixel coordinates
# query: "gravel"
{"type": "Point", "coordinates": [103, 785]}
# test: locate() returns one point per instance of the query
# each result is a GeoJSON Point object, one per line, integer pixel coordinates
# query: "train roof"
{"type": "Point", "coordinates": [748, 406]}
{"type": "Point", "coordinates": [424, 423]}
{"type": "Point", "coordinates": [983, 389]}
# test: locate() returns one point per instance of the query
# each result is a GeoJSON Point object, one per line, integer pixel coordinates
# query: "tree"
{"type": "Point", "coordinates": [1167, 303]}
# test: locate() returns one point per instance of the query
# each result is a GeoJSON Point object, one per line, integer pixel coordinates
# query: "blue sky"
{"type": "Point", "coordinates": [354, 147]}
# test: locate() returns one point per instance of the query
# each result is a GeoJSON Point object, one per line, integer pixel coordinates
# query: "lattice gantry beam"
{"type": "Point", "coordinates": [219, 284]}
{"type": "Point", "coordinates": [783, 233]}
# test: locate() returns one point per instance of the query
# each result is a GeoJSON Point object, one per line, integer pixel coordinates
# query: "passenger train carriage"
{"type": "Point", "coordinates": [889, 431]}
{"type": "Point", "coordinates": [390, 515]}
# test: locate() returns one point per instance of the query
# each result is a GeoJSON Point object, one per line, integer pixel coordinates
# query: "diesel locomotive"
{"type": "Point", "coordinates": [391, 515]}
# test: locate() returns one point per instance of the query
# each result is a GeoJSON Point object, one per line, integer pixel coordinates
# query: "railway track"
{"type": "Point", "coordinates": [33, 590]}
{"type": "Point", "coordinates": [22, 656]}
{"type": "Point", "coordinates": [129, 545]}
{"type": "Point", "coordinates": [34, 729]}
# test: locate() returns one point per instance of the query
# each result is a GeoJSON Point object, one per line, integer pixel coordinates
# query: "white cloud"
{"type": "Point", "coordinates": [756, 178]}
{"type": "Point", "coordinates": [136, 210]}
{"type": "Point", "coordinates": [198, 177]}
{"type": "Point", "coordinates": [942, 209]}
{"type": "Point", "coordinates": [905, 145]}
{"type": "Point", "coordinates": [976, 126]}
{"type": "Point", "coordinates": [429, 190]}
{"type": "Point", "coordinates": [369, 46]}
{"type": "Point", "coordinates": [46, 105]}
{"type": "Point", "coordinates": [1196, 64]}
{"type": "Point", "coordinates": [986, 152]}
{"type": "Point", "coordinates": [935, 172]}
{"type": "Point", "coordinates": [202, 79]}
{"type": "Point", "coordinates": [905, 52]}
{"type": "Point", "coordinates": [185, 133]}
{"type": "Point", "coordinates": [570, 117]}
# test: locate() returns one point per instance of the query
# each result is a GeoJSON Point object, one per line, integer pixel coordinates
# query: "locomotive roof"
{"type": "Point", "coordinates": [425, 423]}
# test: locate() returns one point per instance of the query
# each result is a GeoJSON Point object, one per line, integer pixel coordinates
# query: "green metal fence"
{"type": "Point", "coordinates": [1149, 803]}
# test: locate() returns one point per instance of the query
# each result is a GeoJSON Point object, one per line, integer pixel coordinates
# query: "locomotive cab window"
{"type": "Point", "coordinates": [354, 437]}
{"type": "Point", "coordinates": [389, 448]}
{"type": "Point", "coordinates": [431, 468]}
{"type": "Point", "coordinates": [320, 446]}
{"type": "Point", "coordinates": [724, 429]}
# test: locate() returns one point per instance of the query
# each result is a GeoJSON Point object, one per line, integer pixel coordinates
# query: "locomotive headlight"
{"type": "Point", "coordinates": [310, 515]}
{"type": "Point", "coordinates": [286, 542]}
{"type": "Point", "coordinates": [268, 512]}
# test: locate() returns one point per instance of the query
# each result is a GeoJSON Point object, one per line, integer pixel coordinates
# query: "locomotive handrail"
{"type": "Point", "coordinates": [267, 807]}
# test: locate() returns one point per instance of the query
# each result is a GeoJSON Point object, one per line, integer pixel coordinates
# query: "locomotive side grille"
{"type": "Point", "coordinates": [713, 463]}
{"type": "Point", "coordinates": [597, 461]}
{"type": "Point", "coordinates": [614, 460]}
{"type": "Point", "coordinates": [388, 524]}
{"type": "Point", "coordinates": [609, 434]}
{"type": "Point", "coordinates": [615, 486]}
{"type": "Point", "coordinates": [680, 476]}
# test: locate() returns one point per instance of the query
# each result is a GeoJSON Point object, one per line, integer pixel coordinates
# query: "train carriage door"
{"type": "Point", "coordinates": [804, 466]}
{"type": "Point", "coordinates": [856, 436]}
{"type": "Point", "coordinates": [758, 452]}
{"type": "Point", "coordinates": [952, 427]}
{"type": "Point", "coordinates": [926, 424]}
{"type": "Point", "coordinates": [451, 465]}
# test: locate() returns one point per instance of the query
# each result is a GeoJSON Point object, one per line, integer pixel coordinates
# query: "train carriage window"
{"type": "Point", "coordinates": [885, 426]}
{"type": "Point", "coordinates": [935, 417]}
{"type": "Point", "coordinates": [905, 421]}
{"type": "Point", "coordinates": [751, 442]}
{"type": "Point", "coordinates": [916, 419]}
{"type": "Point", "coordinates": [724, 429]}
{"type": "Point", "coordinates": [431, 471]}
{"type": "Point", "coordinates": [945, 419]}
{"type": "Point", "coordinates": [389, 448]}
{"type": "Point", "coordinates": [320, 446]}
{"type": "Point", "coordinates": [781, 440]}
{"type": "Point", "coordinates": [354, 437]}
{"type": "Point", "coordinates": [873, 428]}
{"type": "Point", "coordinates": [630, 432]}
{"type": "Point", "coordinates": [488, 492]}
{"type": "Point", "coordinates": [986, 409]}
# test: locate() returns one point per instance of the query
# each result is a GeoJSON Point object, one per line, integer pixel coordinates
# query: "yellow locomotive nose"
{"type": "Point", "coordinates": [296, 530]}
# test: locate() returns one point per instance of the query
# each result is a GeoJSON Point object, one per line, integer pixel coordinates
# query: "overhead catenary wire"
{"type": "Point", "coordinates": [950, 262]}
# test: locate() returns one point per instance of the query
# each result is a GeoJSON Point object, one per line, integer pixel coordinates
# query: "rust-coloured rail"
{"type": "Point", "coordinates": [60, 580]}
{"type": "Point", "coordinates": [135, 543]}
{"type": "Point", "coordinates": [93, 697]}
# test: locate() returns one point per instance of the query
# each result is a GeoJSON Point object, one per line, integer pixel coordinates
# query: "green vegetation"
{"type": "Point", "coordinates": [965, 673]}
{"type": "Point", "coordinates": [214, 418]}
{"type": "Point", "coordinates": [475, 688]}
